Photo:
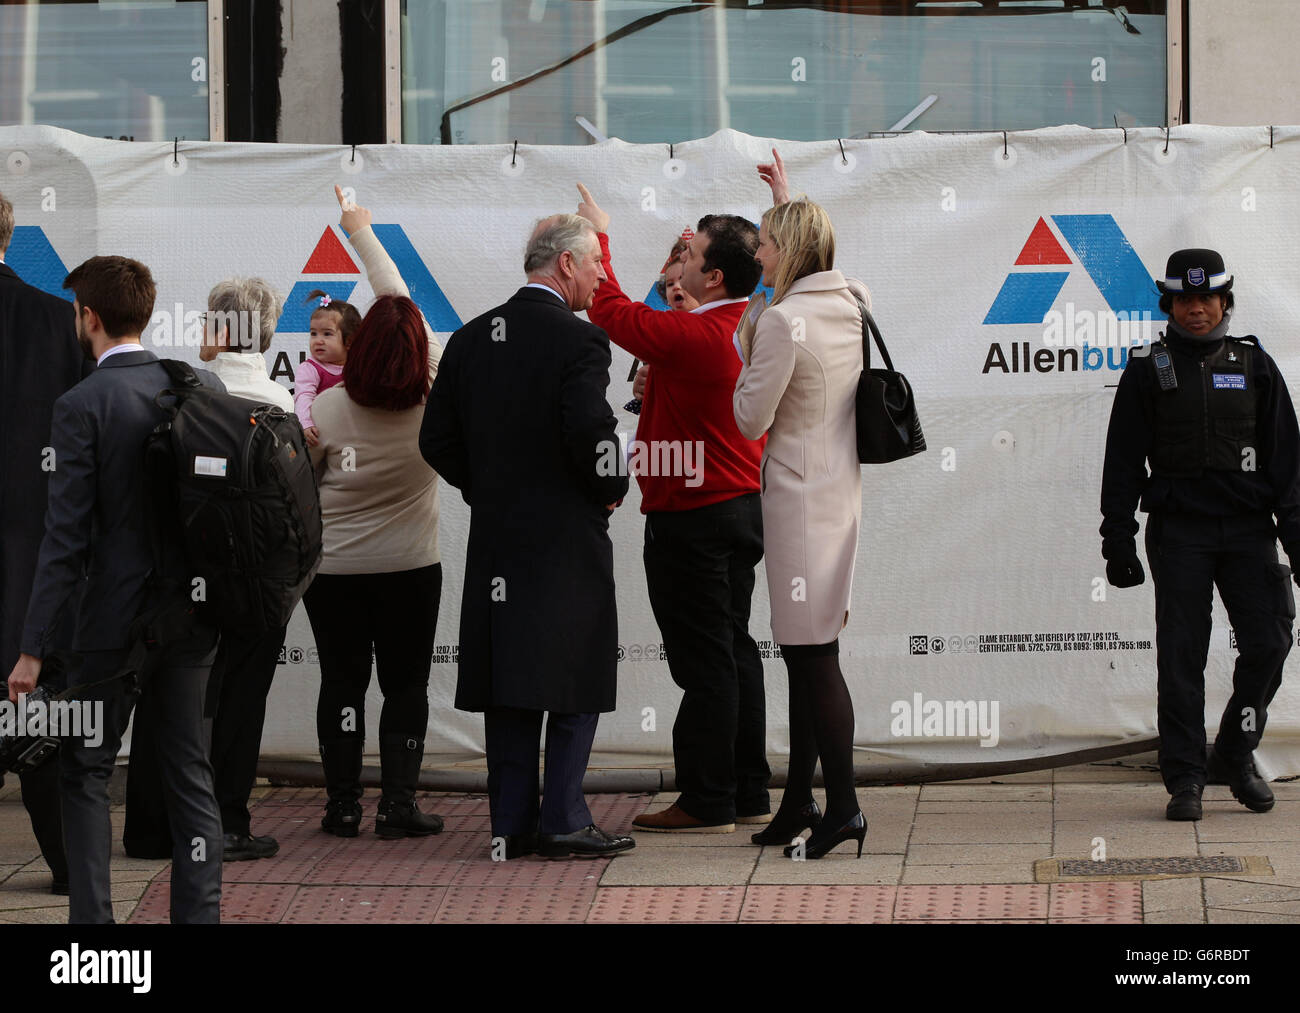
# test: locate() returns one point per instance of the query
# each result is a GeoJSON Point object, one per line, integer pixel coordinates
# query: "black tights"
{"type": "Point", "coordinates": [821, 724]}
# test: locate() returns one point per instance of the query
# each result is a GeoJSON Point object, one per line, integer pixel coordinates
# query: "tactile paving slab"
{"type": "Point", "coordinates": [818, 903]}
{"type": "Point", "coordinates": [332, 905]}
{"type": "Point", "coordinates": [489, 905]}
{"type": "Point", "coordinates": [411, 861]}
{"type": "Point", "coordinates": [1060, 870]}
{"type": "Point", "coordinates": [529, 871]}
{"type": "Point", "coordinates": [291, 864]}
{"type": "Point", "coordinates": [1109, 902]}
{"type": "Point", "coordinates": [668, 904]}
{"type": "Point", "coordinates": [240, 902]}
{"type": "Point", "coordinates": [971, 902]}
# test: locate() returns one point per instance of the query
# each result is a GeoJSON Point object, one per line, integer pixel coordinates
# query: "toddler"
{"type": "Point", "coordinates": [332, 325]}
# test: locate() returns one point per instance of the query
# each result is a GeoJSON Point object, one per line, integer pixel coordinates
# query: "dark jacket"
{"type": "Point", "coordinates": [1272, 486]}
{"type": "Point", "coordinates": [96, 519]}
{"type": "Point", "coordinates": [39, 361]}
{"type": "Point", "coordinates": [521, 426]}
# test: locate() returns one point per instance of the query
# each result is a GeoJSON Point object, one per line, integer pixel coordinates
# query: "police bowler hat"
{"type": "Point", "coordinates": [1199, 272]}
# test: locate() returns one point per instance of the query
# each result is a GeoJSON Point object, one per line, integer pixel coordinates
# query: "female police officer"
{"type": "Point", "coordinates": [1213, 416]}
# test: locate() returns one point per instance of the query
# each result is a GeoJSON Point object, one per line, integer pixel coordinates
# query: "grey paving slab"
{"type": "Point", "coordinates": [1243, 825]}
{"type": "Point", "coordinates": [1175, 916]}
{"type": "Point", "coordinates": [892, 792]}
{"type": "Point", "coordinates": [682, 866]}
{"type": "Point", "coordinates": [40, 916]}
{"type": "Point", "coordinates": [8, 870]}
{"type": "Point", "coordinates": [1139, 797]}
{"type": "Point", "coordinates": [1025, 777]}
{"type": "Point", "coordinates": [1283, 850]}
{"type": "Point", "coordinates": [31, 890]}
{"type": "Point", "coordinates": [1172, 895]}
{"type": "Point", "coordinates": [999, 792]}
{"type": "Point", "coordinates": [839, 867]}
{"type": "Point", "coordinates": [1224, 916]}
{"type": "Point", "coordinates": [1234, 893]}
{"type": "Point", "coordinates": [1008, 810]}
{"type": "Point", "coordinates": [1101, 772]}
{"type": "Point", "coordinates": [938, 829]}
{"type": "Point", "coordinates": [975, 854]}
{"type": "Point", "coordinates": [1014, 872]}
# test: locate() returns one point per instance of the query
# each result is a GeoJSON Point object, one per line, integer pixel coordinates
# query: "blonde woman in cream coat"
{"type": "Point", "coordinates": [803, 356]}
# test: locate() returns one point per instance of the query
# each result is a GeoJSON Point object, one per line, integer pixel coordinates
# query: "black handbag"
{"type": "Point", "coordinates": [887, 423]}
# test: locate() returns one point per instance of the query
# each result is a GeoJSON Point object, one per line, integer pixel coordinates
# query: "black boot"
{"type": "Point", "coordinates": [341, 759]}
{"type": "Point", "coordinates": [1185, 803]}
{"type": "Point", "coordinates": [400, 757]}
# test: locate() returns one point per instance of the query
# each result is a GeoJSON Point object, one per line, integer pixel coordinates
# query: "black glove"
{"type": "Point", "coordinates": [1125, 571]}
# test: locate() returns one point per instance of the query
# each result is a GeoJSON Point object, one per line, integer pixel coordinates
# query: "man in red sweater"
{"type": "Point", "coordinates": [704, 529]}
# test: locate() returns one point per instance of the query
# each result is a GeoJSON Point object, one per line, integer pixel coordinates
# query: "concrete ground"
{"type": "Point", "coordinates": [968, 851]}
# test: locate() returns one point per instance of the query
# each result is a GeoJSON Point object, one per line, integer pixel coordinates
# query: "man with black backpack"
{"type": "Point", "coordinates": [240, 325]}
{"type": "Point", "coordinates": [97, 525]}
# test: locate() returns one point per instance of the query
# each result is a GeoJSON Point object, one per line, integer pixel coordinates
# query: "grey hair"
{"type": "Point", "coordinates": [246, 305]}
{"type": "Point", "coordinates": [552, 236]}
{"type": "Point", "coordinates": [6, 224]}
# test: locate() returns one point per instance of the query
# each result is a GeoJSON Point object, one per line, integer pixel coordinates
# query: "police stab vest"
{"type": "Point", "coordinates": [1208, 422]}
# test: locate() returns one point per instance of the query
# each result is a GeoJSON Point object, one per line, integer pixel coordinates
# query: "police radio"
{"type": "Point", "coordinates": [1164, 365]}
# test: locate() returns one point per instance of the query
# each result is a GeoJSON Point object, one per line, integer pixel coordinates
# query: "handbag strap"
{"type": "Point", "coordinates": [869, 326]}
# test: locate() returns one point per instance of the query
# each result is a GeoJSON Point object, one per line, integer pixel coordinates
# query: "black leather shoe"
{"type": "Point", "coordinates": [245, 848]}
{"type": "Point", "coordinates": [779, 831]}
{"type": "Point", "coordinates": [820, 843]}
{"type": "Point", "coordinates": [1249, 788]}
{"type": "Point", "coordinates": [517, 845]}
{"type": "Point", "coordinates": [1186, 804]}
{"type": "Point", "coordinates": [59, 887]}
{"type": "Point", "coordinates": [589, 842]}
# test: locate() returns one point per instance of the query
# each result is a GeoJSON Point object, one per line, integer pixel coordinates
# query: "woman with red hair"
{"type": "Point", "coordinates": [380, 581]}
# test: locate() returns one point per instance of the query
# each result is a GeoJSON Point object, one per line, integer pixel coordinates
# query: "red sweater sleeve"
{"type": "Point", "coordinates": [663, 338]}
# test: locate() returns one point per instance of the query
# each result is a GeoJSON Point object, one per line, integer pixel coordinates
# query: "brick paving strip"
{"type": "Point", "coordinates": [957, 852]}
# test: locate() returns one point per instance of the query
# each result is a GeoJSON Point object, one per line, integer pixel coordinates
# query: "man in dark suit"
{"type": "Point", "coordinates": [96, 524]}
{"type": "Point", "coordinates": [39, 360]}
{"type": "Point", "coordinates": [518, 421]}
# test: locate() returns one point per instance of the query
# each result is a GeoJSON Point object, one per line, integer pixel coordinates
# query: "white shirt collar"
{"type": "Point", "coordinates": [547, 288]}
{"type": "Point", "coordinates": [718, 302]}
{"type": "Point", "coordinates": [126, 346]}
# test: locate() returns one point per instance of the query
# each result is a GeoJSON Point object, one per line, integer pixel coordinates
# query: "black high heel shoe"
{"type": "Point", "coordinates": [808, 816]}
{"type": "Point", "coordinates": [814, 848]}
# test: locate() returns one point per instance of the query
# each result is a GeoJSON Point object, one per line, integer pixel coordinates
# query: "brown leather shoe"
{"type": "Point", "coordinates": [673, 821]}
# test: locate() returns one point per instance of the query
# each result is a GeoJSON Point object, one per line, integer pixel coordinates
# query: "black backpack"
{"type": "Point", "coordinates": [231, 481]}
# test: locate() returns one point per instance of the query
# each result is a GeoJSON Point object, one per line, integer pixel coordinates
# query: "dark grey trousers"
{"type": "Point", "coordinates": [174, 701]}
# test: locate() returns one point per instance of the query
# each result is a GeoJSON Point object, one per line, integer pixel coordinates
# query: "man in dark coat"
{"type": "Point", "coordinates": [97, 539]}
{"type": "Point", "coordinates": [518, 421]}
{"type": "Point", "coordinates": [39, 360]}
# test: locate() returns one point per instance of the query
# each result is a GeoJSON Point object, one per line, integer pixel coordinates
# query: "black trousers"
{"type": "Point", "coordinates": [699, 567]}
{"type": "Point", "coordinates": [393, 614]}
{"type": "Point", "coordinates": [234, 712]}
{"type": "Point", "coordinates": [1189, 555]}
{"type": "Point", "coordinates": [172, 705]}
{"type": "Point", "coordinates": [241, 679]}
{"type": "Point", "coordinates": [513, 737]}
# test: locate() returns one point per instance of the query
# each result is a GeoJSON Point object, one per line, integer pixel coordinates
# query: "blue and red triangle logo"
{"type": "Point", "coordinates": [331, 269]}
{"type": "Point", "coordinates": [1101, 248]}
